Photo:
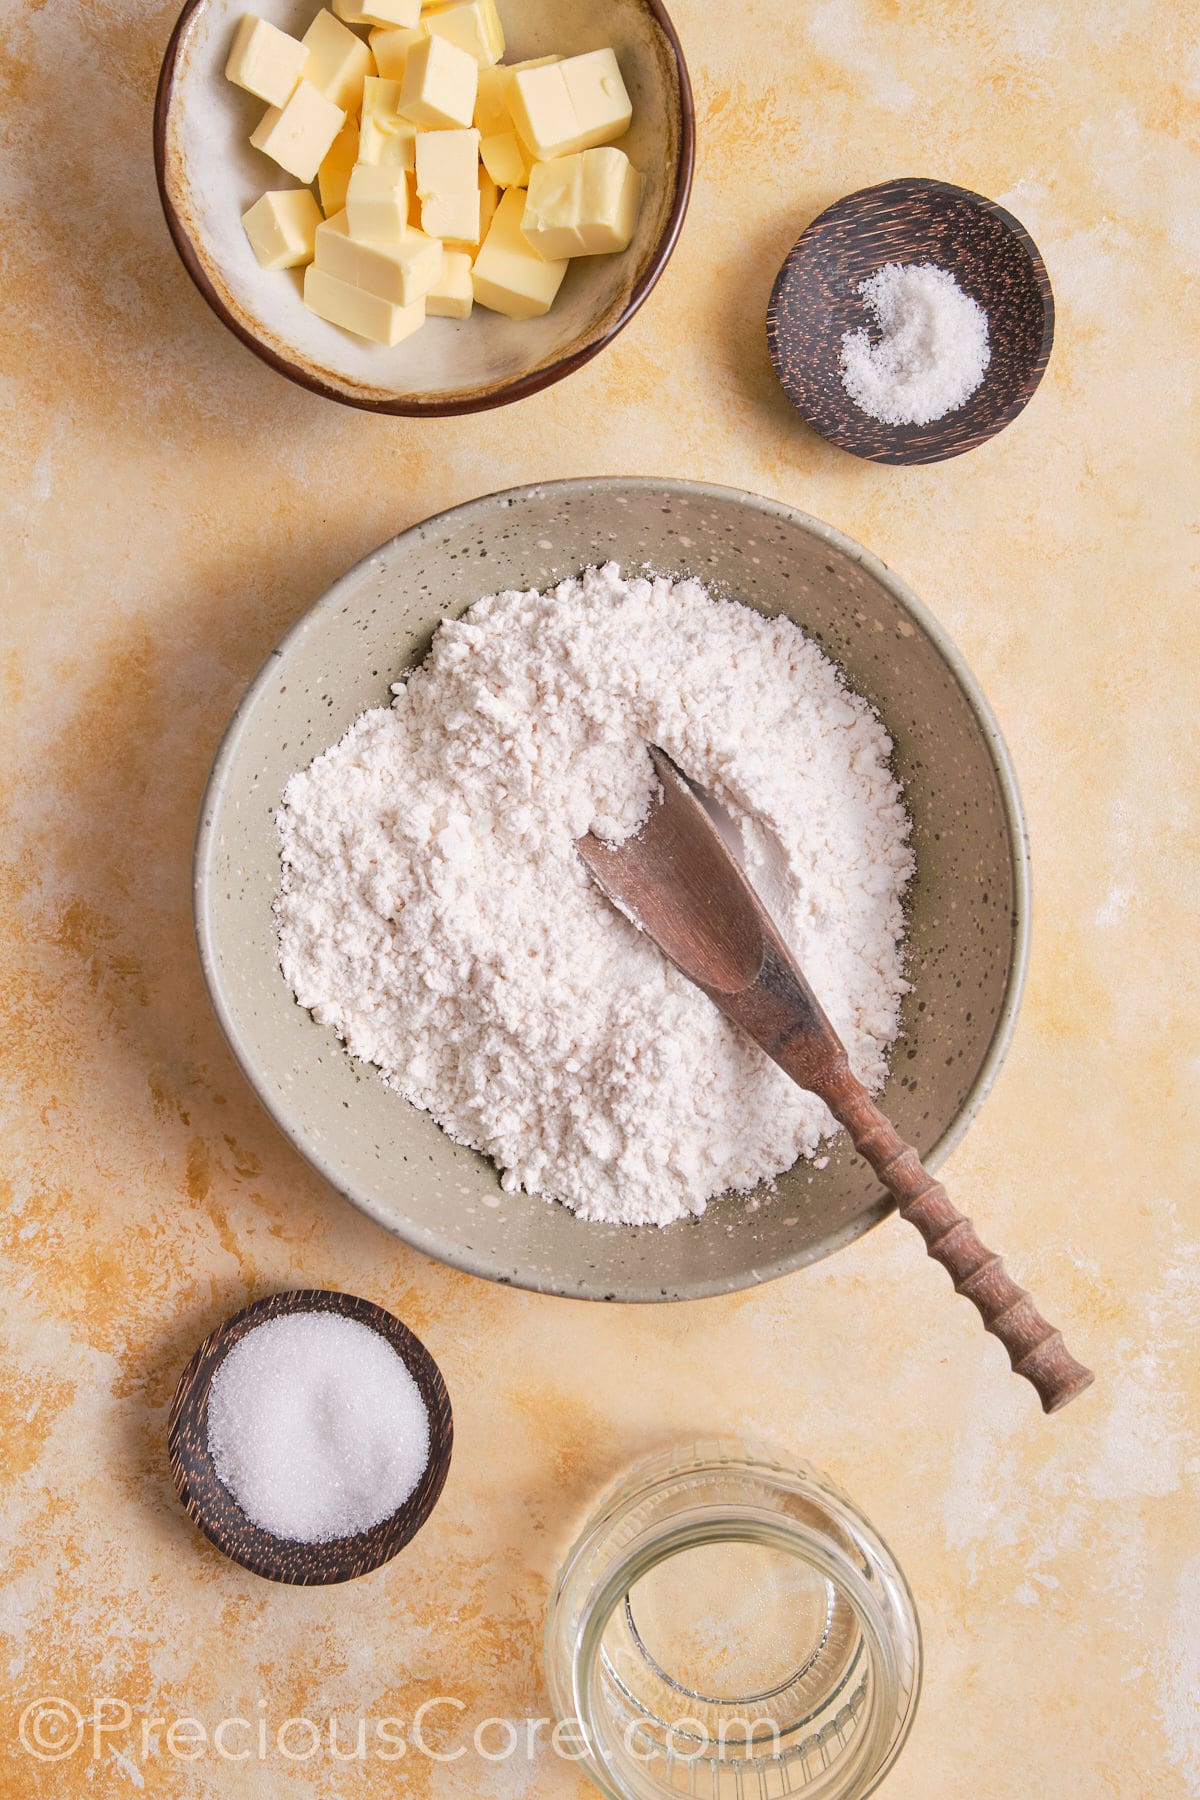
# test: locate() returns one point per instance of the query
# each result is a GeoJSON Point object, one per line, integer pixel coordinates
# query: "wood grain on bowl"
{"type": "Point", "coordinates": [208, 175]}
{"type": "Point", "coordinates": [213, 1508]}
{"type": "Point", "coordinates": [816, 300]}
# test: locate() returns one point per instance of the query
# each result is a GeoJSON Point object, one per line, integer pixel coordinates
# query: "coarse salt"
{"type": "Point", "coordinates": [932, 351]}
{"type": "Point", "coordinates": [316, 1427]}
{"type": "Point", "coordinates": [435, 911]}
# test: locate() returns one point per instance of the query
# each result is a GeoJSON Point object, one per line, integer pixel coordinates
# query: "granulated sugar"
{"type": "Point", "coordinates": [316, 1427]}
{"type": "Point", "coordinates": [435, 912]}
{"type": "Point", "coordinates": [933, 349]}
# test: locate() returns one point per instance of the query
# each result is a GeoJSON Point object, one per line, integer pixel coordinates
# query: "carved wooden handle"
{"type": "Point", "coordinates": [1035, 1349]}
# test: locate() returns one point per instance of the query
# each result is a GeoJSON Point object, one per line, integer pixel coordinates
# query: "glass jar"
{"type": "Point", "coordinates": [730, 1627]}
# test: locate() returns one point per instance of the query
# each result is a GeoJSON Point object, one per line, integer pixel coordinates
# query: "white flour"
{"type": "Point", "coordinates": [434, 911]}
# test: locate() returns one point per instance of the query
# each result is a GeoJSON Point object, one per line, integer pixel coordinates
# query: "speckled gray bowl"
{"type": "Point", "coordinates": [969, 902]}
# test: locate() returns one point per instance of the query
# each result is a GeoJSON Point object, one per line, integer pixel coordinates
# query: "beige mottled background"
{"type": "Point", "coordinates": [170, 505]}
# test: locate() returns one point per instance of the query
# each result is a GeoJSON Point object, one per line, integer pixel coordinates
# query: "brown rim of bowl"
{"type": "Point", "coordinates": [522, 386]}
{"type": "Point", "coordinates": [213, 1509]}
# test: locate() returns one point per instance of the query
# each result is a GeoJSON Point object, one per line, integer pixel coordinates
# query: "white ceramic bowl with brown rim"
{"type": "Point", "coordinates": [208, 174]}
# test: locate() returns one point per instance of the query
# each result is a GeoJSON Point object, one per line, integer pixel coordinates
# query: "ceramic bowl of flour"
{"type": "Point", "coordinates": [967, 905]}
{"type": "Point", "coordinates": [208, 175]}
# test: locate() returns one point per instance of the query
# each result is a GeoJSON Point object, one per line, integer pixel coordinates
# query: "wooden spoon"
{"type": "Point", "coordinates": [680, 884]}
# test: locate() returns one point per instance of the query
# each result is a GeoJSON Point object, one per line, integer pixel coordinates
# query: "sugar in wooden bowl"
{"type": "Point", "coordinates": [310, 1436]}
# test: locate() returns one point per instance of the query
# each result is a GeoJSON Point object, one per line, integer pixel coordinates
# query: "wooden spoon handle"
{"type": "Point", "coordinates": [1035, 1349]}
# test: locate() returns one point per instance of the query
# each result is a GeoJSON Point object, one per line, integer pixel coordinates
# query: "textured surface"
{"type": "Point", "coordinates": [171, 506]}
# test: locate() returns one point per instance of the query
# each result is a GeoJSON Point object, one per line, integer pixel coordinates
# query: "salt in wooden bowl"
{"type": "Point", "coordinates": [816, 300]}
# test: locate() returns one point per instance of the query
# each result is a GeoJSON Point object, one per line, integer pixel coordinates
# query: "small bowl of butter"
{"type": "Point", "coordinates": [424, 206]}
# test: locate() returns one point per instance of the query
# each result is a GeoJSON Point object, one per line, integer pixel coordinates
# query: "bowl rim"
{"type": "Point", "coordinates": [946, 439]}
{"type": "Point", "coordinates": [521, 386]}
{"type": "Point", "coordinates": [440, 1245]}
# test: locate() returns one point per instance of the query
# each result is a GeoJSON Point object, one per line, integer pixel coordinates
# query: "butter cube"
{"type": "Point", "coordinates": [571, 105]}
{"type": "Point", "coordinates": [599, 96]}
{"type": "Point", "coordinates": [376, 202]}
{"type": "Point", "coordinates": [355, 310]}
{"type": "Point", "coordinates": [451, 296]}
{"type": "Point", "coordinates": [299, 133]}
{"type": "Point", "coordinates": [378, 12]}
{"type": "Point", "coordinates": [338, 61]}
{"type": "Point", "coordinates": [491, 105]}
{"type": "Point", "coordinates": [474, 25]}
{"type": "Point", "coordinates": [582, 205]}
{"type": "Point", "coordinates": [491, 102]}
{"type": "Point", "coordinates": [379, 96]}
{"type": "Point", "coordinates": [386, 139]}
{"type": "Point", "coordinates": [509, 276]}
{"type": "Point", "coordinates": [401, 270]}
{"type": "Point", "coordinates": [440, 81]}
{"type": "Point", "coordinates": [390, 50]}
{"type": "Point", "coordinates": [333, 176]}
{"type": "Point", "coordinates": [282, 228]}
{"type": "Point", "coordinates": [265, 61]}
{"type": "Point", "coordinates": [448, 184]}
{"type": "Point", "coordinates": [489, 200]}
{"type": "Point", "coordinates": [505, 159]}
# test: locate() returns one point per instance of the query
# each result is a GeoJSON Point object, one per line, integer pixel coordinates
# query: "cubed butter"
{"type": "Point", "coordinates": [299, 133]}
{"type": "Point", "coordinates": [505, 159]}
{"type": "Point", "coordinates": [333, 176]}
{"type": "Point", "coordinates": [282, 228]}
{"type": "Point", "coordinates": [599, 97]}
{"type": "Point", "coordinates": [571, 105]}
{"type": "Point", "coordinates": [376, 202]}
{"type": "Point", "coordinates": [379, 96]}
{"type": "Point", "coordinates": [509, 276]}
{"type": "Point", "coordinates": [390, 50]}
{"type": "Point", "coordinates": [379, 12]}
{"type": "Point", "coordinates": [489, 200]}
{"type": "Point", "coordinates": [582, 205]}
{"type": "Point", "coordinates": [447, 165]}
{"type": "Point", "coordinates": [451, 296]}
{"type": "Point", "coordinates": [366, 315]}
{"type": "Point", "coordinates": [474, 25]}
{"type": "Point", "coordinates": [387, 140]}
{"type": "Point", "coordinates": [265, 61]}
{"type": "Point", "coordinates": [400, 271]}
{"type": "Point", "coordinates": [338, 61]}
{"type": "Point", "coordinates": [491, 101]}
{"type": "Point", "coordinates": [440, 81]}
{"type": "Point", "coordinates": [491, 104]}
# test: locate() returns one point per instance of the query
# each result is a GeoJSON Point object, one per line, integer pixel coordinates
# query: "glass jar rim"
{"type": "Point", "coordinates": [893, 1701]}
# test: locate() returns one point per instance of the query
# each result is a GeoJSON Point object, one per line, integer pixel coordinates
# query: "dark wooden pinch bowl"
{"type": "Point", "coordinates": [911, 220]}
{"type": "Point", "coordinates": [213, 1508]}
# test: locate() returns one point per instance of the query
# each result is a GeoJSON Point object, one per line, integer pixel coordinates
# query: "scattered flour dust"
{"type": "Point", "coordinates": [435, 912]}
